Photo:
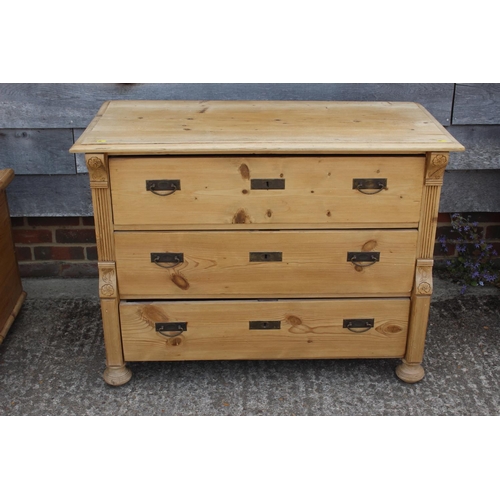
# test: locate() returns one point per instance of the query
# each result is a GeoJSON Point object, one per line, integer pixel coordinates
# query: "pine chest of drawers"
{"type": "Point", "coordinates": [264, 229]}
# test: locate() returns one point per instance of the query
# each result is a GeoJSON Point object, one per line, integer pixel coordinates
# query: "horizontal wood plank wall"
{"type": "Point", "coordinates": [37, 151]}
{"type": "Point", "coordinates": [482, 143]}
{"type": "Point", "coordinates": [477, 104]}
{"type": "Point", "coordinates": [50, 196]}
{"type": "Point", "coordinates": [73, 105]}
{"type": "Point", "coordinates": [38, 123]}
{"type": "Point", "coordinates": [470, 191]}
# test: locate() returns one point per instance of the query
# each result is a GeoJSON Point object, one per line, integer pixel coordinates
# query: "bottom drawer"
{"type": "Point", "coordinates": [252, 329]}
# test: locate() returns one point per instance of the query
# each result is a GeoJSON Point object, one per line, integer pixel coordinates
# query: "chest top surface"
{"type": "Point", "coordinates": [263, 127]}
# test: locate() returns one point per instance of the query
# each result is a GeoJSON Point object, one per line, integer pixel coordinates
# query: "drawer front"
{"type": "Point", "coordinates": [283, 329]}
{"type": "Point", "coordinates": [235, 192]}
{"type": "Point", "coordinates": [258, 264]}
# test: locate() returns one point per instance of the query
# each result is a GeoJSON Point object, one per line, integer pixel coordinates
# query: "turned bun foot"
{"type": "Point", "coordinates": [117, 375]}
{"type": "Point", "coordinates": [410, 372]}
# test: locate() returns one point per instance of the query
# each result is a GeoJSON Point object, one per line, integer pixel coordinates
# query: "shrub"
{"type": "Point", "coordinates": [473, 265]}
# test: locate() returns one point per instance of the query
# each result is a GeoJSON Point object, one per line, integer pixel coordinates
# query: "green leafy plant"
{"type": "Point", "coordinates": [473, 265]}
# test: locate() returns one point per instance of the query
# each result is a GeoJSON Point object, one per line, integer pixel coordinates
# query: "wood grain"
{"type": "Point", "coordinates": [107, 280]}
{"type": "Point", "coordinates": [103, 225]}
{"type": "Point", "coordinates": [6, 177]}
{"type": "Point", "coordinates": [112, 332]}
{"type": "Point", "coordinates": [73, 105]}
{"type": "Point", "coordinates": [216, 150]}
{"type": "Point", "coordinates": [216, 263]}
{"type": "Point", "coordinates": [477, 104]}
{"type": "Point", "coordinates": [15, 311]}
{"type": "Point", "coordinates": [419, 317]}
{"type": "Point", "coordinates": [270, 127]}
{"type": "Point", "coordinates": [65, 195]}
{"type": "Point", "coordinates": [50, 196]}
{"type": "Point", "coordinates": [11, 291]}
{"type": "Point", "coordinates": [116, 372]}
{"type": "Point", "coordinates": [81, 166]}
{"type": "Point", "coordinates": [422, 288]}
{"type": "Point", "coordinates": [32, 196]}
{"type": "Point", "coordinates": [220, 329]}
{"type": "Point", "coordinates": [435, 167]}
{"type": "Point", "coordinates": [482, 148]}
{"type": "Point", "coordinates": [37, 151]}
{"type": "Point", "coordinates": [470, 191]}
{"type": "Point", "coordinates": [268, 226]}
{"type": "Point", "coordinates": [214, 191]}
{"type": "Point", "coordinates": [419, 311]}
{"type": "Point", "coordinates": [410, 372]}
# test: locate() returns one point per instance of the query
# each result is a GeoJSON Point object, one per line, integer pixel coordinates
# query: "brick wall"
{"type": "Point", "coordinates": [55, 246]}
{"type": "Point", "coordinates": [65, 246]}
{"type": "Point", "coordinates": [488, 228]}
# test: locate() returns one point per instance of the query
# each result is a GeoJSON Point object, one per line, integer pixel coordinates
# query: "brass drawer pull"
{"type": "Point", "coordinates": [354, 325]}
{"type": "Point", "coordinates": [357, 257]}
{"type": "Point", "coordinates": [163, 185]}
{"type": "Point", "coordinates": [362, 184]}
{"type": "Point", "coordinates": [264, 325]}
{"type": "Point", "coordinates": [173, 258]}
{"type": "Point", "coordinates": [178, 328]}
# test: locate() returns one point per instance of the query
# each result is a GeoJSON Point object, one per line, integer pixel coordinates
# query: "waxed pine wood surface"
{"type": "Point", "coordinates": [216, 263]}
{"type": "Point", "coordinates": [211, 127]}
{"type": "Point", "coordinates": [11, 291]}
{"type": "Point", "coordinates": [215, 150]}
{"type": "Point", "coordinates": [217, 191]}
{"type": "Point", "coordinates": [220, 329]}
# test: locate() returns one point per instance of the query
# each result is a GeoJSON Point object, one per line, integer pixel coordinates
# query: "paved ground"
{"type": "Point", "coordinates": [53, 357]}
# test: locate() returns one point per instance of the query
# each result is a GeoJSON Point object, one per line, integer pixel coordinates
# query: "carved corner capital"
{"type": "Point", "coordinates": [436, 165]}
{"type": "Point", "coordinates": [107, 280]}
{"type": "Point", "coordinates": [423, 277]}
{"type": "Point", "coordinates": [98, 171]}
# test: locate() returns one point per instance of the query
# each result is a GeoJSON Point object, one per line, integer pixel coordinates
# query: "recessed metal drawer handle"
{"type": "Point", "coordinates": [357, 257]}
{"type": "Point", "coordinates": [173, 258]}
{"type": "Point", "coordinates": [362, 184]}
{"type": "Point", "coordinates": [354, 325]}
{"type": "Point", "coordinates": [176, 329]}
{"type": "Point", "coordinates": [163, 185]}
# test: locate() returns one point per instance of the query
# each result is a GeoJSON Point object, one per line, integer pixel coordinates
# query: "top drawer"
{"type": "Point", "coordinates": [266, 192]}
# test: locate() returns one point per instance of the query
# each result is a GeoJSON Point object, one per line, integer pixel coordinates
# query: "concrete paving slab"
{"type": "Point", "coordinates": [51, 363]}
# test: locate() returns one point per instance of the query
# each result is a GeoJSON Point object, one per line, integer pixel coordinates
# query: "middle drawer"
{"type": "Point", "coordinates": [259, 264]}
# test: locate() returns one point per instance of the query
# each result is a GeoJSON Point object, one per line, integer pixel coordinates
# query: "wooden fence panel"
{"type": "Point", "coordinates": [37, 151]}
{"type": "Point", "coordinates": [477, 104]}
{"type": "Point", "coordinates": [470, 191]}
{"type": "Point", "coordinates": [50, 196]}
{"type": "Point", "coordinates": [482, 143]}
